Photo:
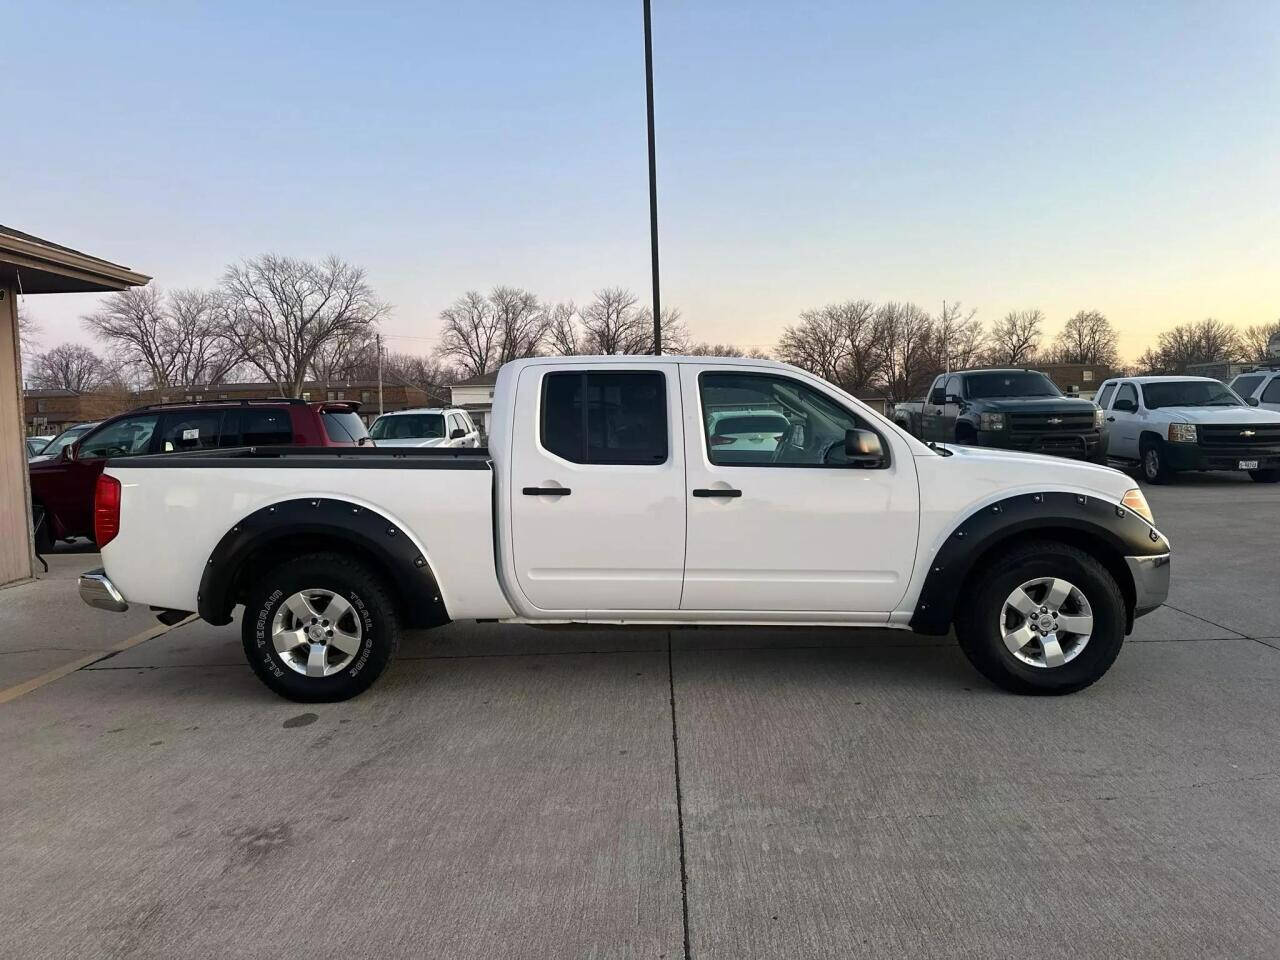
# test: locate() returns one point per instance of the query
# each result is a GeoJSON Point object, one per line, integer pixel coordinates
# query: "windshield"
{"type": "Point", "coordinates": [1188, 393]}
{"type": "Point", "coordinates": [65, 439]}
{"type": "Point", "coordinates": [1028, 384]}
{"type": "Point", "coordinates": [409, 426]}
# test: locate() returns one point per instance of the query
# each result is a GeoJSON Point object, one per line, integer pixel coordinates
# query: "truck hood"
{"type": "Point", "coordinates": [412, 442]}
{"type": "Point", "coordinates": [1227, 415]}
{"type": "Point", "coordinates": [1013, 466]}
{"type": "Point", "coordinates": [1036, 405]}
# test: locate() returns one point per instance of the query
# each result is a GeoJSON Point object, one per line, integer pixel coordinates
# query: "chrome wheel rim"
{"type": "Point", "coordinates": [1152, 462]}
{"type": "Point", "coordinates": [1046, 622]}
{"type": "Point", "coordinates": [316, 633]}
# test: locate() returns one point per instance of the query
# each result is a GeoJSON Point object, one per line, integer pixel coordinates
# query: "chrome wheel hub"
{"type": "Point", "coordinates": [1046, 622]}
{"type": "Point", "coordinates": [316, 633]}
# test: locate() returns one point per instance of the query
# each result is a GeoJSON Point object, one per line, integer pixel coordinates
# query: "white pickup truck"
{"type": "Point", "coordinates": [607, 497]}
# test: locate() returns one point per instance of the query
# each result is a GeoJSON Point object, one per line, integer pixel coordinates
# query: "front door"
{"type": "Point", "coordinates": [793, 527]}
{"type": "Point", "coordinates": [1122, 432]}
{"type": "Point", "coordinates": [597, 500]}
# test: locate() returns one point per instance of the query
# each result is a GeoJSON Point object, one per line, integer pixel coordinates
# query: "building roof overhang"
{"type": "Point", "coordinates": [32, 265]}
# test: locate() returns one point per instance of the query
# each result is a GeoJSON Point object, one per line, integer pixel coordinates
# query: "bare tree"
{"type": "Point", "coordinates": [959, 337]}
{"type": "Point", "coordinates": [1150, 363]}
{"type": "Point", "coordinates": [134, 325]}
{"type": "Point", "coordinates": [1016, 338]}
{"type": "Point", "coordinates": [907, 334]}
{"type": "Point", "coordinates": [840, 342]}
{"type": "Point", "coordinates": [69, 366]}
{"type": "Point", "coordinates": [1088, 337]}
{"type": "Point", "coordinates": [470, 335]}
{"type": "Point", "coordinates": [29, 330]}
{"type": "Point", "coordinates": [196, 335]}
{"type": "Point", "coordinates": [522, 326]}
{"type": "Point", "coordinates": [704, 349]}
{"type": "Point", "coordinates": [675, 335]}
{"type": "Point", "coordinates": [1202, 342]}
{"type": "Point", "coordinates": [564, 330]}
{"type": "Point", "coordinates": [281, 310]}
{"type": "Point", "coordinates": [350, 356]}
{"type": "Point", "coordinates": [426, 373]}
{"type": "Point", "coordinates": [1254, 340]}
{"type": "Point", "coordinates": [611, 323]}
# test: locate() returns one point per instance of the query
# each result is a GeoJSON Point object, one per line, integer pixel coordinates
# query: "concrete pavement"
{"type": "Point", "coordinates": [512, 792]}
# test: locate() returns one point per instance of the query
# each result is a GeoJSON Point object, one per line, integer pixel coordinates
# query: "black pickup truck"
{"type": "Point", "coordinates": [1013, 409]}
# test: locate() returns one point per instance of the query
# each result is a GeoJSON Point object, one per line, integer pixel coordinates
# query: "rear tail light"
{"type": "Point", "coordinates": [106, 510]}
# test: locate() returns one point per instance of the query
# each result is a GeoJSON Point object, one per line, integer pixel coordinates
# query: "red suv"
{"type": "Point", "coordinates": [62, 486]}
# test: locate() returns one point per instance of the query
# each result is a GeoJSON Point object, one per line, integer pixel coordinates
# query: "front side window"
{"type": "Point", "coordinates": [1128, 392]}
{"type": "Point", "coordinates": [605, 416]}
{"type": "Point", "coordinates": [1245, 385]}
{"type": "Point", "coordinates": [761, 420]}
{"type": "Point", "coordinates": [124, 438]}
{"type": "Point", "coordinates": [1105, 396]}
{"type": "Point", "coordinates": [953, 387]}
{"type": "Point", "coordinates": [1188, 393]}
{"type": "Point", "coordinates": [1014, 383]}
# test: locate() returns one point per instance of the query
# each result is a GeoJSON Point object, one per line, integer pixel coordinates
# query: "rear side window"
{"type": "Point", "coordinates": [1245, 385]}
{"type": "Point", "coordinates": [1105, 396]}
{"type": "Point", "coordinates": [258, 428]}
{"type": "Point", "coordinates": [343, 426]}
{"type": "Point", "coordinates": [1272, 393]}
{"type": "Point", "coordinates": [605, 417]}
{"type": "Point", "coordinates": [193, 430]}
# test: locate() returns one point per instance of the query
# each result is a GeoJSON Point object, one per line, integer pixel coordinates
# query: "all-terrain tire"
{"type": "Point", "coordinates": [979, 621]}
{"type": "Point", "coordinates": [369, 613]}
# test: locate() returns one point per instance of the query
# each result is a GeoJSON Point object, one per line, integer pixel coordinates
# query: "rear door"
{"type": "Point", "coordinates": [597, 500]}
{"type": "Point", "coordinates": [796, 528]}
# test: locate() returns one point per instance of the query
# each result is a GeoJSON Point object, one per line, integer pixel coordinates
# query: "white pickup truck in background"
{"type": "Point", "coordinates": [608, 496]}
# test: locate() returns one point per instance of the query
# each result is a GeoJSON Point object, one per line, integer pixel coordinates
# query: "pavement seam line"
{"type": "Point", "coordinates": [57, 673]}
{"type": "Point", "coordinates": [1220, 626]}
{"type": "Point", "coordinates": [675, 750]}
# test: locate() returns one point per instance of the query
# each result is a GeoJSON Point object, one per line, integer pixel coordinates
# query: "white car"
{"type": "Point", "coordinates": [1168, 424]}
{"type": "Point", "coordinates": [1259, 388]}
{"type": "Point", "coordinates": [426, 427]}
{"type": "Point", "coordinates": [747, 431]}
{"type": "Point", "coordinates": [602, 500]}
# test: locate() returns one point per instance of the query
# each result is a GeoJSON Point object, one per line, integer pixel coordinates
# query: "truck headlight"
{"type": "Point", "coordinates": [1097, 416]}
{"type": "Point", "coordinates": [1182, 433]}
{"type": "Point", "coordinates": [991, 421]}
{"type": "Point", "coordinates": [1136, 502]}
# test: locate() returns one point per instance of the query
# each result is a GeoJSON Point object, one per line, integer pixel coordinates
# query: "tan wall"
{"type": "Point", "coordinates": [15, 510]}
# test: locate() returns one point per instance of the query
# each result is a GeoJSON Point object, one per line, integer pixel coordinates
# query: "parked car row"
{"type": "Point", "coordinates": [1162, 425]}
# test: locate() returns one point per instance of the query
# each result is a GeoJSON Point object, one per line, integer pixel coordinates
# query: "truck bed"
{"type": "Point", "coordinates": [406, 458]}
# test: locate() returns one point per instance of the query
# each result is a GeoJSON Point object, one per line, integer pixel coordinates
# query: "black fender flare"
{"type": "Point", "coordinates": [315, 521]}
{"type": "Point", "coordinates": [1122, 531]}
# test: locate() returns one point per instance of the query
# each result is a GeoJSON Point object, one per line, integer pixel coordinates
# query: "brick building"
{"type": "Point", "coordinates": [1075, 379]}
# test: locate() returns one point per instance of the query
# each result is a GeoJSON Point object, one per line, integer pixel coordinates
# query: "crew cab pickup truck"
{"type": "Point", "coordinates": [1170, 424]}
{"type": "Point", "coordinates": [62, 484]}
{"type": "Point", "coordinates": [1012, 409]}
{"type": "Point", "coordinates": [602, 499]}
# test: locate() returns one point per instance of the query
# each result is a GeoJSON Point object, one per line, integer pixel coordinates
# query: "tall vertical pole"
{"type": "Point", "coordinates": [946, 335]}
{"type": "Point", "coordinates": [653, 181]}
{"type": "Point", "coordinates": [379, 374]}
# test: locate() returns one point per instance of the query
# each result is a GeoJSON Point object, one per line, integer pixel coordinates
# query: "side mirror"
{"type": "Point", "coordinates": [937, 397]}
{"type": "Point", "coordinates": [69, 452]}
{"type": "Point", "coordinates": [1252, 401]}
{"type": "Point", "coordinates": [458, 433]}
{"type": "Point", "coordinates": [1128, 406]}
{"type": "Point", "coordinates": [863, 449]}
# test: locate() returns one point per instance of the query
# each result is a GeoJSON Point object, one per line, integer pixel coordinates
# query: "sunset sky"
{"type": "Point", "coordinates": [1123, 157]}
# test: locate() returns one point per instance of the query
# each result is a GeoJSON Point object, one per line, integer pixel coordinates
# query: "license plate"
{"type": "Point", "coordinates": [1248, 465]}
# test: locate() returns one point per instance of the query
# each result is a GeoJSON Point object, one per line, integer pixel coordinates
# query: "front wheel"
{"type": "Point", "coordinates": [1155, 467]}
{"type": "Point", "coordinates": [319, 628]}
{"type": "Point", "coordinates": [1265, 476]}
{"type": "Point", "coordinates": [1045, 618]}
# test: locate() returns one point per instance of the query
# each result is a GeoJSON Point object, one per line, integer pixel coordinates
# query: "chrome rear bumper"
{"type": "Point", "coordinates": [1150, 582]}
{"type": "Point", "coordinates": [97, 590]}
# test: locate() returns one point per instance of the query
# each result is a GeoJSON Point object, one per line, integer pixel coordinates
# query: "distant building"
{"type": "Point", "coordinates": [52, 411]}
{"type": "Point", "coordinates": [1224, 370]}
{"type": "Point", "coordinates": [1075, 379]}
{"type": "Point", "coordinates": [475, 395]}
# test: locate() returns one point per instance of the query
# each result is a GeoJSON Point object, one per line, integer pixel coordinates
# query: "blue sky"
{"type": "Point", "coordinates": [1117, 156]}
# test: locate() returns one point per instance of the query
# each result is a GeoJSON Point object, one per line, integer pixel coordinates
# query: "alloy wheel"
{"type": "Point", "coordinates": [316, 633]}
{"type": "Point", "coordinates": [1046, 622]}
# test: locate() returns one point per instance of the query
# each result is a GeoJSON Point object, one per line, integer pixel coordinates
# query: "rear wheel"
{"type": "Point", "coordinates": [1155, 466]}
{"type": "Point", "coordinates": [1265, 476]}
{"type": "Point", "coordinates": [319, 628]}
{"type": "Point", "coordinates": [1045, 618]}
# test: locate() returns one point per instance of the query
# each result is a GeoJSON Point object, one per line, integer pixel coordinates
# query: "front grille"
{"type": "Point", "coordinates": [1249, 436]}
{"type": "Point", "coordinates": [1043, 423]}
